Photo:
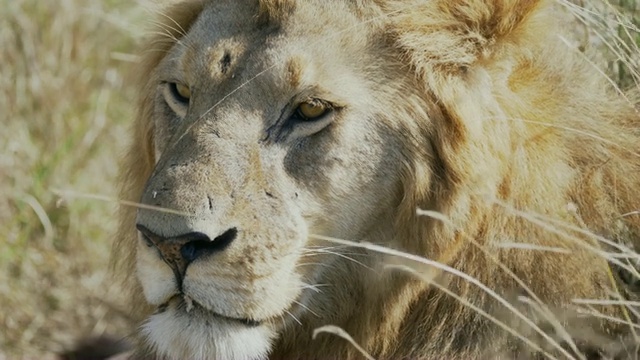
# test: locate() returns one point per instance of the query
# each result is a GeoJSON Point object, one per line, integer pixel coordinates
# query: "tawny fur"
{"type": "Point", "coordinates": [510, 135]}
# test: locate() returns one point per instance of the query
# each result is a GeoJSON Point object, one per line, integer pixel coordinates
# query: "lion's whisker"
{"type": "Point", "coordinates": [178, 29]}
{"type": "Point", "coordinates": [347, 258]}
{"type": "Point", "coordinates": [315, 287]}
{"type": "Point", "coordinates": [319, 252]}
{"type": "Point", "coordinates": [318, 264]}
{"type": "Point", "coordinates": [293, 317]}
{"type": "Point", "coordinates": [320, 247]}
{"type": "Point", "coordinates": [306, 308]}
{"type": "Point", "coordinates": [163, 36]}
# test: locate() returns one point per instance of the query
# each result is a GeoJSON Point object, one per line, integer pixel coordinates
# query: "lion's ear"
{"type": "Point", "coordinates": [447, 37]}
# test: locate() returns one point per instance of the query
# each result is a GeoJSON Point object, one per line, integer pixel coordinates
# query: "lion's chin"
{"type": "Point", "coordinates": [178, 334]}
{"type": "Point", "coordinates": [186, 305]}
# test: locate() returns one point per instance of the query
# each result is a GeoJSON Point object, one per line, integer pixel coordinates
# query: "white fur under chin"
{"type": "Point", "coordinates": [177, 336]}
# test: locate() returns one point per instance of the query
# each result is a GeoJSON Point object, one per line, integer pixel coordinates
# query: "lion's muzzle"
{"type": "Point", "coordinates": [220, 225]}
{"type": "Point", "coordinates": [180, 251]}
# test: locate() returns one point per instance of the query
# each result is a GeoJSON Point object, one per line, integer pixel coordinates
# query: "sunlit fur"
{"type": "Point", "coordinates": [473, 109]}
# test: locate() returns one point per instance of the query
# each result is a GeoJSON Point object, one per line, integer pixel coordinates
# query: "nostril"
{"type": "Point", "coordinates": [197, 248]}
{"type": "Point", "coordinates": [224, 240]}
{"type": "Point", "coordinates": [179, 251]}
{"type": "Point", "coordinates": [189, 251]}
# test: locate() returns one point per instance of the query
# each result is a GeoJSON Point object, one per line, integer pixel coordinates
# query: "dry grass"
{"type": "Point", "coordinates": [64, 109]}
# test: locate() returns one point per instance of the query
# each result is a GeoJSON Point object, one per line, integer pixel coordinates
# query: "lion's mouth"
{"type": "Point", "coordinates": [186, 304]}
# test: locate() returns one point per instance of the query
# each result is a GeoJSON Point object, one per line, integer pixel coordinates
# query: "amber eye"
{"type": "Point", "coordinates": [313, 109]}
{"type": "Point", "coordinates": [180, 92]}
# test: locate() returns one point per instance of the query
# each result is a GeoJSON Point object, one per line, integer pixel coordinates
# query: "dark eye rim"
{"type": "Point", "coordinates": [173, 88]}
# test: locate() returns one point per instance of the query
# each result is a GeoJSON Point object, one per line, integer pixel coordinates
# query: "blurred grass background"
{"type": "Point", "coordinates": [65, 106]}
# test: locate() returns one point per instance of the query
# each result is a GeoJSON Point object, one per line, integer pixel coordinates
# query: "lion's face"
{"type": "Point", "coordinates": [264, 133]}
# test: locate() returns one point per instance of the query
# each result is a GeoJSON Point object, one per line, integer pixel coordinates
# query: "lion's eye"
{"type": "Point", "coordinates": [313, 109]}
{"type": "Point", "coordinates": [180, 92]}
{"type": "Point", "coordinates": [309, 117]}
{"type": "Point", "coordinates": [177, 96]}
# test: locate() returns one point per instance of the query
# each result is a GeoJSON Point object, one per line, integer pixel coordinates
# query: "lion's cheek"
{"type": "Point", "coordinates": [156, 278]}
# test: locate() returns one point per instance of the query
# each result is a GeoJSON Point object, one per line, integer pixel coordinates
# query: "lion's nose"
{"type": "Point", "coordinates": [180, 251]}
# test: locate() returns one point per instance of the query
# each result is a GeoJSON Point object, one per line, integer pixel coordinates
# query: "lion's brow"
{"type": "Point", "coordinates": [275, 10]}
{"type": "Point", "coordinates": [294, 71]}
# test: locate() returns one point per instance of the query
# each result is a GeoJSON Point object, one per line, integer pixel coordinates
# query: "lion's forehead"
{"type": "Point", "coordinates": [230, 43]}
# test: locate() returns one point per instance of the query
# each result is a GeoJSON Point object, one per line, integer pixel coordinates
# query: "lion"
{"type": "Point", "coordinates": [464, 133]}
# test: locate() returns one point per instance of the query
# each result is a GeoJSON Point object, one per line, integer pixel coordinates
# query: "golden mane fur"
{"type": "Point", "coordinates": [514, 138]}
